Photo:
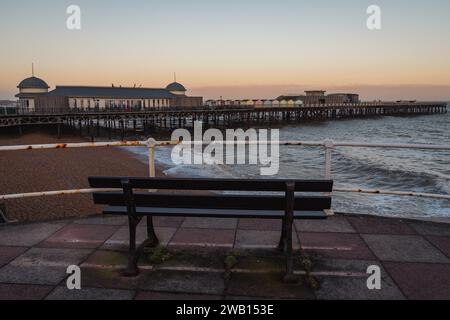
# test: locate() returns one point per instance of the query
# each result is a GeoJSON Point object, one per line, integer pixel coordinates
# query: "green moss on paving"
{"type": "Point", "coordinates": [230, 262]}
{"type": "Point", "coordinates": [158, 255]}
{"type": "Point", "coordinates": [307, 264]}
{"type": "Point", "coordinates": [111, 258]}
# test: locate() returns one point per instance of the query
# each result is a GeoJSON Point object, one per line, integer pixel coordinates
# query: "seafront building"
{"type": "Point", "coordinates": [315, 97]}
{"type": "Point", "coordinates": [34, 96]}
{"type": "Point", "coordinates": [319, 97]}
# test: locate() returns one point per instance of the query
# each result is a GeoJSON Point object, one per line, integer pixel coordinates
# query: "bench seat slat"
{"type": "Point", "coordinates": [213, 184]}
{"type": "Point", "coordinates": [211, 201]}
{"type": "Point", "coordinates": [216, 213]}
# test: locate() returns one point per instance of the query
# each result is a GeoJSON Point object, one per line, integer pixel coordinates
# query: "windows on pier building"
{"type": "Point", "coordinates": [34, 96]}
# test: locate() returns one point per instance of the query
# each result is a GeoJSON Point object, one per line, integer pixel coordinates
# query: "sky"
{"type": "Point", "coordinates": [232, 49]}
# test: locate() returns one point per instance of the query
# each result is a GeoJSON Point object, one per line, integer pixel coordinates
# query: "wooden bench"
{"type": "Point", "coordinates": [263, 199]}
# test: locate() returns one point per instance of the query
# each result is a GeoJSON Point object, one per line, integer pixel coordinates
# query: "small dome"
{"type": "Point", "coordinates": [175, 86]}
{"type": "Point", "coordinates": [33, 83]}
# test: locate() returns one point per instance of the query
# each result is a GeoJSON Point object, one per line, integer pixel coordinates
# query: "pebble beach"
{"type": "Point", "coordinates": [59, 169]}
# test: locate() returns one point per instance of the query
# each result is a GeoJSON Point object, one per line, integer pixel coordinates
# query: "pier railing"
{"type": "Point", "coordinates": [65, 111]}
{"type": "Point", "coordinates": [152, 145]}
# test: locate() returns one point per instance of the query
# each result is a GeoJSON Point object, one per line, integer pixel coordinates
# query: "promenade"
{"type": "Point", "coordinates": [227, 259]}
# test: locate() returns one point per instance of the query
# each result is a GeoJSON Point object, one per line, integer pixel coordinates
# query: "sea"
{"type": "Point", "coordinates": [422, 171]}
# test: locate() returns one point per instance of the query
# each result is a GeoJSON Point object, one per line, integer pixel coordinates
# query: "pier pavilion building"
{"type": "Point", "coordinates": [319, 97]}
{"type": "Point", "coordinates": [34, 96]}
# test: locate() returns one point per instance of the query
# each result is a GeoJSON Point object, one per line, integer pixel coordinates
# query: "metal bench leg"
{"type": "Point", "coordinates": [151, 234]}
{"type": "Point", "coordinates": [133, 256]}
{"type": "Point", "coordinates": [289, 277]}
{"type": "Point", "coordinates": [132, 268]}
{"type": "Point", "coordinates": [288, 222]}
{"type": "Point", "coordinates": [282, 244]}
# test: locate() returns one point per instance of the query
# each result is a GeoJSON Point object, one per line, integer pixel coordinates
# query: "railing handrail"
{"type": "Point", "coordinates": [154, 143]}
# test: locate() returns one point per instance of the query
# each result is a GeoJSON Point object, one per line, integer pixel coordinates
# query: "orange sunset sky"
{"type": "Point", "coordinates": [234, 49]}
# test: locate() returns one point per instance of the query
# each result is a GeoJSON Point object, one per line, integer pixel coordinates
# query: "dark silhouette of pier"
{"type": "Point", "coordinates": [144, 121]}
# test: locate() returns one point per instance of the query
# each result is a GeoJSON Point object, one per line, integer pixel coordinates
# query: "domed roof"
{"type": "Point", "coordinates": [175, 86]}
{"type": "Point", "coordinates": [33, 83]}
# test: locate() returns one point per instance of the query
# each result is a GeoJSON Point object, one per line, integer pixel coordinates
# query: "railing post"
{"type": "Point", "coordinates": [329, 146]}
{"type": "Point", "coordinates": [151, 145]}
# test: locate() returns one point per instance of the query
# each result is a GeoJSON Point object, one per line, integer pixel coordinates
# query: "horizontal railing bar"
{"type": "Point", "coordinates": [326, 143]}
{"type": "Point", "coordinates": [89, 145]}
{"type": "Point", "coordinates": [340, 190]}
{"type": "Point", "coordinates": [53, 193]}
{"type": "Point", "coordinates": [396, 193]}
{"type": "Point", "coordinates": [393, 145]}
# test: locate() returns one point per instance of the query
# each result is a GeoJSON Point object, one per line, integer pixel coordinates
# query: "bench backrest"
{"type": "Point", "coordinates": [261, 198]}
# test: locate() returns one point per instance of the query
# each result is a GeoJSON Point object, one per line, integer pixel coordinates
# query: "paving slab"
{"type": "Point", "coordinates": [404, 249]}
{"type": "Point", "coordinates": [27, 235]}
{"type": "Point", "coordinates": [120, 239]}
{"type": "Point", "coordinates": [166, 222]}
{"type": "Point", "coordinates": [104, 220]}
{"type": "Point", "coordinates": [209, 223]}
{"type": "Point", "coordinates": [260, 224]}
{"type": "Point", "coordinates": [266, 285]}
{"type": "Point", "coordinates": [374, 225]}
{"type": "Point", "coordinates": [62, 293]}
{"type": "Point", "coordinates": [204, 258]}
{"type": "Point", "coordinates": [421, 281]}
{"type": "Point", "coordinates": [158, 296]}
{"type": "Point", "coordinates": [163, 222]}
{"type": "Point", "coordinates": [119, 259]}
{"type": "Point", "coordinates": [23, 292]}
{"type": "Point", "coordinates": [109, 278]}
{"type": "Point", "coordinates": [336, 267]}
{"type": "Point", "coordinates": [249, 239]}
{"type": "Point", "coordinates": [266, 264]}
{"type": "Point", "coordinates": [203, 238]}
{"type": "Point", "coordinates": [335, 245]}
{"type": "Point", "coordinates": [336, 224]}
{"type": "Point", "coordinates": [106, 259]}
{"type": "Point", "coordinates": [355, 288]}
{"type": "Point", "coordinates": [346, 280]}
{"type": "Point", "coordinates": [210, 283]}
{"type": "Point", "coordinates": [7, 254]}
{"type": "Point", "coordinates": [430, 228]}
{"type": "Point", "coordinates": [80, 236]}
{"type": "Point", "coordinates": [442, 243]}
{"type": "Point", "coordinates": [45, 266]}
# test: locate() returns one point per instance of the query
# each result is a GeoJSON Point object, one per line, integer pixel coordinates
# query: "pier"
{"type": "Point", "coordinates": [147, 120]}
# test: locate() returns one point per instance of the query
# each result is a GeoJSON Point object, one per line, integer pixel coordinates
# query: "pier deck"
{"type": "Point", "coordinates": [226, 116]}
{"type": "Point", "coordinates": [414, 258]}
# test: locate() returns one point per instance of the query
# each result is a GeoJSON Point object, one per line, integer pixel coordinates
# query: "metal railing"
{"type": "Point", "coordinates": [152, 144]}
{"type": "Point", "coordinates": [219, 107]}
